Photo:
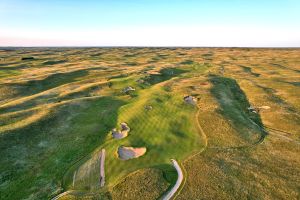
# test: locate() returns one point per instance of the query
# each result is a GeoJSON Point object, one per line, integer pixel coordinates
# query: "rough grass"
{"type": "Point", "coordinates": [143, 184]}
{"type": "Point", "coordinates": [234, 106]}
{"type": "Point", "coordinates": [259, 173]}
{"type": "Point", "coordinates": [57, 110]}
{"type": "Point", "coordinates": [39, 154]}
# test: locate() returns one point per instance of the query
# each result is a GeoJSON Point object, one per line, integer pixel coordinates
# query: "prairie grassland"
{"type": "Point", "coordinates": [57, 111]}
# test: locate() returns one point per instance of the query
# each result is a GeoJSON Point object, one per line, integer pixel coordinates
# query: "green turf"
{"type": "Point", "coordinates": [167, 131]}
{"type": "Point", "coordinates": [42, 152]}
{"type": "Point", "coordinates": [57, 111]}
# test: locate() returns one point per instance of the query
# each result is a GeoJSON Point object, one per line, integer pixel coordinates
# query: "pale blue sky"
{"type": "Point", "coordinates": [150, 23]}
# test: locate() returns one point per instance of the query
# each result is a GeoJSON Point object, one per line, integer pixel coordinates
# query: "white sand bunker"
{"type": "Point", "coordinates": [128, 89]}
{"type": "Point", "coordinates": [119, 134]}
{"type": "Point", "coordinates": [264, 107]}
{"type": "Point", "coordinates": [258, 109]}
{"type": "Point", "coordinates": [126, 153]}
{"type": "Point", "coordinates": [190, 100]}
{"type": "Point", "coordinates": [148, 107]}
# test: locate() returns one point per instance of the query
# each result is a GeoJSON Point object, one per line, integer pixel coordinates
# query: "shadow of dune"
{"type": "Point", "coordinates": [284, 67]}
{"type": "Point", "coordinates": [53, 144]}
{"type": "Point", "coordinates": [274, 97]}
{"type": "Point", "coordinates": [169, 173]}
{"type": "Point", "coordinates": [294, 83]}
{"type": "Point", "coordinates": [54, 62]}
{"type": "Point", "coordinates": [22, 66]}
{"type": "Point", "coordinates": [249, 71]}
{"type": "Point", "coordinates": [164, 74]}
{"type": "Point", "coordinates": [234, 106]}
{"type": "Point", "coordinates": [35, 86]}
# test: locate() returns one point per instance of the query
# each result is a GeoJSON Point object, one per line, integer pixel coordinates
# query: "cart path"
{"type": "Point", "coordinates": [179, 180]}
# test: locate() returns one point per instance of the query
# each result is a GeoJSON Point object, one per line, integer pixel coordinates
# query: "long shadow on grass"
{"type": "Point", "coordinates": [249, 70]}
{"type": "Point", "coordinates": [272, 96]}
{"type": "Point", "coordinates": [54, 62]}
{"type": "Point", "coordinates": [164, 74]}
{"type": "Point", "coordinates": [169, 174]}
{"type": "Point", "coordinates": [52, 81]}
{"type": "Point", "coordinates": [234, 106]}
{"type": "Point", "coordinates": [22, 66]}
{"type": "Point", "coordinates": [284, 67]}
{"type": "Point", "coordinates": [35, 158]}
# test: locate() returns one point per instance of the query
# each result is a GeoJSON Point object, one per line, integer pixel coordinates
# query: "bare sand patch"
{"type": "Point", "coordinates": [128, 89]}
{"type": "Point", "coordinates": [190, 100]}
{"type": "Point", "coordinates": [119, 134]}
{"type": "Point", "coordinates": [126, 153]}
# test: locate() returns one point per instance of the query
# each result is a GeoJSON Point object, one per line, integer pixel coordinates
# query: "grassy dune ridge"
{"type": "Point", "coordinates": [57, 111]}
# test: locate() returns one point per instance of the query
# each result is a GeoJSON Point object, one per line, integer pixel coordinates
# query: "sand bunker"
{"type": "Point", "coordinates": [126, 153]}
{"type": "Point", "coordinates": [128, 89]}
{"type": "Point", "coordinates": [257, 109]}
{"type": "Point", "coordinates": [140, 81]}
{"type": "Point", "coordinates": [253, 109]}
{"type": "Point", "coordinates": [122, 133]}
{"type": "Point", "coordinates": [190, 100]}
{"type": "Point", "coordinates": [264, 107]}
{"type": "Point", "coordinates": [148, 107]}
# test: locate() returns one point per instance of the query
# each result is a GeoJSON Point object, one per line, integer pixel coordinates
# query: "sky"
{"type": "Point", "coordinates": [204, 23]}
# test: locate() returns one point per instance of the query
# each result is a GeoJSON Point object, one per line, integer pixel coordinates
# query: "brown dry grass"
{"type": "Point", "coordinates": [50, 113]}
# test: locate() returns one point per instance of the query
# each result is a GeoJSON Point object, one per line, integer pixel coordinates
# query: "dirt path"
{"type": "Point", "coordinates": [179, 180]}
{"type": "Point", "coordinates": [202, 133]}
{"type": "Point", "coordinates": [281, 134]}
{"type": "Point", "coordinates": [200, 128]}
{"type": "Point", "coordinates": [102, 172]}
{"type": "Point", "coordinates": [181, 177]}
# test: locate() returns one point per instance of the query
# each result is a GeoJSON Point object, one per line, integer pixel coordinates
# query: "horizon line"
{"type": "Point", "coordinates": [141, 46]}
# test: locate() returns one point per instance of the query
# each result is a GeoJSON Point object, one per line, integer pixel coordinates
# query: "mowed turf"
{"type": "Point", "coordinates": [168, 131]}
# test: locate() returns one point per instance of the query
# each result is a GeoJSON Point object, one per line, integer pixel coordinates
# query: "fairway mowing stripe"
{"type": "Point", "coordinates": [199, 152]}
